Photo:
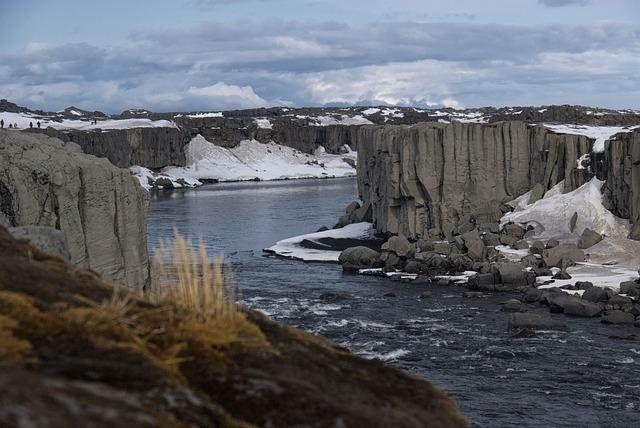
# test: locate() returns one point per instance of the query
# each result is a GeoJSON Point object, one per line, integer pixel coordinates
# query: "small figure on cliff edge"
{"type": "Point", "coordinates": [1, 123]}
{"type": "Point", "coordinates": [15, 126]}
{"type": "Point", "coordinates": [38, 124]}
{"type": "Point", "coordinates": [10, 126]}
{"type": "Point", "coordinates": [31, 125]}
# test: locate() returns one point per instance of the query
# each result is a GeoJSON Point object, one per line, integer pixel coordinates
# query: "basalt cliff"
{"type": "Point", "coordinates": [434, 178]}
{"type": "Point", "coordinates": [101, 209]}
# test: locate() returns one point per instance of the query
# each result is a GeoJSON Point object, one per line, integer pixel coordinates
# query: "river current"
{"type": "Point", "coordinates": [588, 376]}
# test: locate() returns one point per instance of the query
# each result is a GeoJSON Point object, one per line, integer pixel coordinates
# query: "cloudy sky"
{"type": "Point", "coordinates": [220, 54]}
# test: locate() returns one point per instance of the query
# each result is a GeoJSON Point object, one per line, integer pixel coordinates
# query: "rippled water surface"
{"type": "Point", "coordinates": [588, 376]}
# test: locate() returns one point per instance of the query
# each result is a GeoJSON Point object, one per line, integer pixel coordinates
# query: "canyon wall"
{"type": "Point", "coordinates": [431, 177]}
{"type": "Point", "coordinates": [619, 165]}
{"type": "Point", "coordinates": [101, 209]}
{"type": "Point", "coordinates": [149, 147]}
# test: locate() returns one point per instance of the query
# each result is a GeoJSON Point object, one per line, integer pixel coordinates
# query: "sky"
{"type": "Point", "coordinates": [205, 55]}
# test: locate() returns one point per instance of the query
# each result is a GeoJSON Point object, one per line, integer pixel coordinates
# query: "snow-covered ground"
{"type": "Point", "coordinates": [552, 214]}
{"type": "Point", "coordinates": [251, 160]}
{"type": "Point", "coordinates": [343, 119]}
{"type": "Point", "coordinates": [465, 117]}
{"type": "Point", "coordinates": [600, 133]}
{"type": "Point", "coordinates": [291, 248]}
{"type": "Point", "coordinates": [24, 119]}
{"type": "Point", "coordinates": [611, 261]}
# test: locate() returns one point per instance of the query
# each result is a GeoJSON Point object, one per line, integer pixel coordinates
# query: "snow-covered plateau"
{"type": "Point", "coordinates": [249, 160]}
{"type": "Point", "coordinates": [25, 120]}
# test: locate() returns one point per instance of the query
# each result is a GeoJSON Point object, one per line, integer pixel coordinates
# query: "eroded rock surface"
{"type": "Point", "coordinates": [101, 209]}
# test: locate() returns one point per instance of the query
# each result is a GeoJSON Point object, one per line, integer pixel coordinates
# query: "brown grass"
{"type": "Point", "coordinates": [185, 278]}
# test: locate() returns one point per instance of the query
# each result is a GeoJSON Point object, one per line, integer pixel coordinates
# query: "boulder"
{"type": "Point", "coordinates": [581, 308]}
{"type": "Point", "coordinates": [630, 288]}
{"type": "Point", "coordinates": [514, 230]}
{"type": "Point", "coordinates": [521, 245]}
{"type": "Point", "coordinates": [355, 258]}
{"type": "Point", "coordinates": [530, 261]}
{"type": "Point", "coordinates": [561, 274]}
{"type": "Point", "coordinates": [596, 294]}
{"type": "Point", "coordinates": [491, 239]}
{"type": "Point", "coordinates": [552, 243]}
{"type": "Point", "coordinates": [512, 273]}
{"type": "Point", "coordinates": [525, 321]}
{"type": "Point", "coordinates": [618, 317]}
{"type": "Point", "coordinates": [460, 262]}
{"type": "Point", "coordinates": [567, 253]}
{"type": "Point", "coordinates": [46, 238]}
{"type": "Point", "coordinates": [588, 239]}
{"type": "Point", "coordinates": [537, 247]}
{"type": "Point", "coordinates": [583, 285]}
{"type": "Point", "coordinates": [508, 240]}
{"type": "Point", "coordinates": [476, 249]}
{"type": "Point", "coordinates": [400, 246]}
{"type": "Point", "coordinates": [532, 295]}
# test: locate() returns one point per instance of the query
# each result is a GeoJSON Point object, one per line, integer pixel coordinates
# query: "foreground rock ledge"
{"type": "Point", "coordinates": [59, 376]}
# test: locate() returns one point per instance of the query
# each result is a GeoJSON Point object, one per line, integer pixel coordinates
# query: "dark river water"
{"type": "Point", "coordinates": [588, 376]}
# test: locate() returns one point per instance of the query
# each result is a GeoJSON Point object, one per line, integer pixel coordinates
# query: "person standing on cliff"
{"type": "Point", "coordinates": [31, 125]}
{"type": "Point", "coordinates": [38, 124]}
{"type": "Point", "coordinates": [1, 123]}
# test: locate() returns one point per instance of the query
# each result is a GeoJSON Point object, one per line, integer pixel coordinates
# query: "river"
{"type": "Point", "coordinates": [588, 376]}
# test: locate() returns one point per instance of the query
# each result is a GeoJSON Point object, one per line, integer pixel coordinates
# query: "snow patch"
{"type": "Point", "coordinates": [599, 133]}
{"type": "Point", "coordinates": [552, 214]}
{"type": "Point", "coordinates": [200, 115]}
{"type": "Point", "coordinates": [291, 248]}
{"type": "Point", "coordinates": [263, 123]}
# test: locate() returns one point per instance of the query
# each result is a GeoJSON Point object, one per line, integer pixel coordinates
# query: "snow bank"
{"type": "Point", "coordinates": [148, 178]}
{"type": "Point", "coordinates": [252, 160]}
{"type": "Point", "coordinates": [263, 123]}
{"type": "Point", "coordinates": [551, 215]}
{"type": "Point", "coordinates": [599, 275]}
{"type": "Point", "coordinates": [23, 120]}
{"type": "Point", "coordinates": [291, 248]}
{"type": "Point", "coordinates": [599, 133]}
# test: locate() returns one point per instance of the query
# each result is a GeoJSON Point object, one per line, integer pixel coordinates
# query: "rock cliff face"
{"type": "Point", "coordinates": [148, 147]}
{"type": "Point", "coordinates": [619, 165]}
{"type": "Point", "coordinates": [101, 209]}
{"type": "Point", "coordinates": [437, 176]}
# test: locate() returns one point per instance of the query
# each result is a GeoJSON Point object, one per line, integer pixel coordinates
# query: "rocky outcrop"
{"type": "Point", "coordinates": [435, 177]}
{"type": "Point", "coordinates": [619, 165]}
{"type": "Point", "coordinates": [101, 209]}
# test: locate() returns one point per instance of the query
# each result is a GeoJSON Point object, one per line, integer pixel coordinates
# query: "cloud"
{"type": "Point", "coordinates": [223, 94]}
{"type": "Point", "coordinates": [257, 63]}
{"type": "Point", "coordinates": [561, 3]}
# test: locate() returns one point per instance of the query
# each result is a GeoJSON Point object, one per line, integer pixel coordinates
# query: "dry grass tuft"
{"type": "Point", "coordinates": [185, 278]}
